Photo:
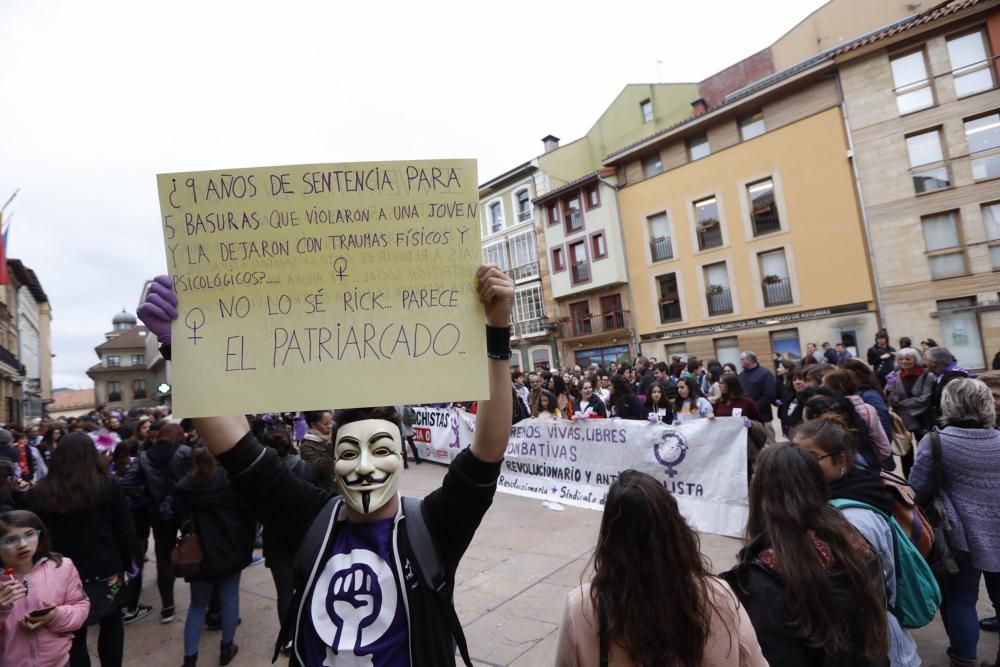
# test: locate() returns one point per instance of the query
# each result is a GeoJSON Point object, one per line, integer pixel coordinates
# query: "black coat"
{"type": "Point", "coordinates": [762, 591]}
{"type": "Point", "coordinates": [631, 409]}
{"type": "Point", "coordinates": [100, 540]}
{"type": "Point", "coordinates": [222, 521]}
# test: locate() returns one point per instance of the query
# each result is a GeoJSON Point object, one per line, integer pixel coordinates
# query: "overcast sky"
{"type": "Point", "coordinates": [97, 97]}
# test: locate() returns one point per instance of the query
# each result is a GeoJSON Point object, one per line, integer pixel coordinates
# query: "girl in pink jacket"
{"type": "Point", "coordinates": [41, 597]}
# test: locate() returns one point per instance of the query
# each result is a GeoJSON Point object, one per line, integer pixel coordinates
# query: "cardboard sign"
{"type": "Point", "coordinates": [324, 286]}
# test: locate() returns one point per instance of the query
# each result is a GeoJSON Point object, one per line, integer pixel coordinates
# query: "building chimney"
{"type": "Point", "coordinates": [550, 142]}
{"type": "Point", "coordinates": [698, 107]}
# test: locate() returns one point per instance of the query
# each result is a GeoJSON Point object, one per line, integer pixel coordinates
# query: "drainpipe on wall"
{"type": "Point", "coordinates": [861, 204]}
{"type": "Point", "coordinates": [601, 177]}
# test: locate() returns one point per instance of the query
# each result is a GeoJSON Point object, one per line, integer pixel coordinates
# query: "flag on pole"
{"type": "Point", "coordinates": [4, 278]}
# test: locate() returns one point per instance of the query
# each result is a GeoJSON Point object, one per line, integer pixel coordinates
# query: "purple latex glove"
{"type": "Point", "coordinates": [747, 423]}
{"type": "Point", "coordinates": [159, 308]}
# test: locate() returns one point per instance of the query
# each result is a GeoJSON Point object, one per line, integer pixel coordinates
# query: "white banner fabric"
{"type": "Point", "coordinates": [702, 463]}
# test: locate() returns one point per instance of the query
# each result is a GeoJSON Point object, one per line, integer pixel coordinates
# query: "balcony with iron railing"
{"type": "Point", "coordinates": [777, 291]}
{"type": "Point", "coordinates": [590, 325]}
{"type": "Point", "coordinates": [581, 272]}
{"type": "Point", "coordinates": [765, 221]}
{"type": "Point", "coordinates": [661, 248]}
{"type": "Point", "coordinates": [720, 300]}
{"type": "Point", "coordinates": [523, 272]}
{"type": "Point", "coordinates": [9, 358]}
{"type": "Point", "coordinates": [670, 309]}
{"type": "Point", "coordinates": [709, 235]}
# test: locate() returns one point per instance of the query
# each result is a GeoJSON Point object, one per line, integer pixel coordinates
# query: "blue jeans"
{"type": "Point", "coordinates": [201, 591]}
{"type": "Point", "coordinates": [961, 593]}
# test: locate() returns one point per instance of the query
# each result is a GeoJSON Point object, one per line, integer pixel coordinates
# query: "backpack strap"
{"type": "Point", "coordinates": [312, 544]}
{"type": "Point", "coordinates": [844, 503]}
{"type": "Point", "coordinates": [431, 569]}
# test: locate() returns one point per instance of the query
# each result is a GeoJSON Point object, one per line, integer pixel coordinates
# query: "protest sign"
{"type": "Point", "coordinates": [702, 463]}
{"type": "Point", "coordinates": [316, 286]}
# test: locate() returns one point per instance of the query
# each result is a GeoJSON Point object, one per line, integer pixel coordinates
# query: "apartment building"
{"type": "Point", "coordinates": [511, 233]}
{"type": "Point", "coordinates": [923, 108]}
{"type": "Point", "coordinates": [577, 208]}
{"type": "Point", "coordinates": [742, 230]}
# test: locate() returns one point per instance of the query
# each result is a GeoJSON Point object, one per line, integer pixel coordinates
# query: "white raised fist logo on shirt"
{"type": "Point", "coordinates": [352, 606]}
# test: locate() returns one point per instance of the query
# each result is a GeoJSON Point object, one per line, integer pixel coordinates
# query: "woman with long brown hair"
{"type": "Point", "coordinates": [88, 519]}
{"type": "Point", "coordinates": [811, 584]}
{"type": "Point", "coordinates": [654, 612]}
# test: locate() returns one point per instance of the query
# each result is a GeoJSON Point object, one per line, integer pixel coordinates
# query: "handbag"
{"type": "Point", "coordinates": [187, 557]}
{"type": "Point", "coordinates": [941, 559]}
{"type": "Point", "coordinates": [107, 596]}
{"type": "Point", "coordinates": [902, 439]}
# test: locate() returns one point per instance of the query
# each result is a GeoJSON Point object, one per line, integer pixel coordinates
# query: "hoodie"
{"type": "Point", "coordinates": [49, 645]}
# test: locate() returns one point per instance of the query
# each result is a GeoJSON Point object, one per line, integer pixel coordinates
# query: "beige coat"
{"type": "Point", "coordinates": [731, 642]}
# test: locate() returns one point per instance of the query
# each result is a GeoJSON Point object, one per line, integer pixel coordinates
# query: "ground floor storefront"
{"type": "Point", "coordinates": [534, 354]}
{"type": "Point", "coordinates": [786, 335]}
{"type": "Point", "coordinates": [969, 326]}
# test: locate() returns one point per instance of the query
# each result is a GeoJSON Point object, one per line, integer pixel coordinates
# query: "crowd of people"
{"type": "Point", "coordinates": [828, 574]}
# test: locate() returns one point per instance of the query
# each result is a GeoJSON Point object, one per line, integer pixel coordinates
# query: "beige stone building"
{"type": "Point", "coordinates": [34, 349]}
{"type": "Point", "coordinates": [122, 378]}
{"type": "Point", "coordinates": [923, 113]}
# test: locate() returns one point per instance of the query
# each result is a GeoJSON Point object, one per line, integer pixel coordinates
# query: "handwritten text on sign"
{"type": "Point", "coordinates": [317, 286]}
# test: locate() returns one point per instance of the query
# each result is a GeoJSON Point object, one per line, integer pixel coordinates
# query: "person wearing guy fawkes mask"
{"type": "Point", "coordinates": [362, 601]}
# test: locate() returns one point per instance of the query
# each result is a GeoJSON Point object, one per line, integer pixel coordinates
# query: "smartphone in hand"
{"type": "Point", "coordinates": [38, 613]}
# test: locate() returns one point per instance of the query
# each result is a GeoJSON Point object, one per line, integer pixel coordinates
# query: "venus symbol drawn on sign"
{"type": "Point", "coordinates": [340, 268]}
{"type": "Point", "coordinates": [194, 320]}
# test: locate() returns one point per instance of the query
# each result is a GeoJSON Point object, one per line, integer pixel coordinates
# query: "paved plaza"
{"type": "Point", "coordinates": [511, 588]}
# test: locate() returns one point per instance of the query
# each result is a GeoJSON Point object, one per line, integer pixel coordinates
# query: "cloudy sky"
{"type": "Point", "coordinates": [97, 97]}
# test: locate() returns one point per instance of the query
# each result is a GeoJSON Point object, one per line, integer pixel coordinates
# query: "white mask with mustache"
{"type": "Point", "coordinates": [369, 455]}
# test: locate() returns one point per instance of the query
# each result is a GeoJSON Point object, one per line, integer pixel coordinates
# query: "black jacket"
{"type": "Point", "coordinates": [222, 521]}
{"type": "Point", "coordinates": [762, 591]}
{"type": "Point", "coordinates": [940, 382]}
{"type": "Point", "coordinates": [100, 540]}
{"type": "Point", "coordinates": [631, 410]}
{"type": "Point", "coordinates": [452, 513]}
{"type": "Point", "coordinates": [882, 367]}
{"type": "Point", "coordinates": [154, 473]}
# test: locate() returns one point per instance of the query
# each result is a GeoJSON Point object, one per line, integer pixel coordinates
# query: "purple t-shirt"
{"type": "Point", "coordinates": [356, 614]}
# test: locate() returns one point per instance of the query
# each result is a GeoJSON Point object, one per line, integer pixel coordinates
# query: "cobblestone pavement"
{"type": "Point", "coordinates": [511, 588]}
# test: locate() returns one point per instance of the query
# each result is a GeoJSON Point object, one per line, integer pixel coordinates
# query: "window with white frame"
{"type": "Point", "coordinates": [541, 358]}
{"type": "Point", "coordinates": [496, 254]}
{"type": "Point", "coordinates": [646, 108]}
{"type": "Point", "coordinates": [970, 63]}
{"type": "Point", "coordinates": [524, 255]}
{"type": "Point", "coordinates": [523, 203]}
{"type": "Point", "coordinates": [698, 147]}
{"type": "Point", "coordinates": [991, 221]}
{"type": "Point", "coordinates": [983, 137]}
{"type": "Point", "coordinates": [528, 310]}
{"type": "Point", "coordinates": [515, 360]}
{"type": "Point", "coordinates": [912, 86]}
{"type": "Point", "coordinates": [925, 154]}
{"type": "Point", "coordinates": [496, 217]}
{"type": "Point", "coordinates": [752, 126]}
{"type": "Point", "coordinates": [943, 242]}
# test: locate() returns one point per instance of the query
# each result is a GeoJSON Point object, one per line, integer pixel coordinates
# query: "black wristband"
{"type": "Point", "coordinates": [165, 351]}
{"type": "Point", "coordinates": [498, 342]}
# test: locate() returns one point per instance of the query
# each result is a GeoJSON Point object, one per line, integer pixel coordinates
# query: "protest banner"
{"type": "Point", "coordinates": [333, 285]}
{"type": "Point", "coordinates": [702, 463]}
